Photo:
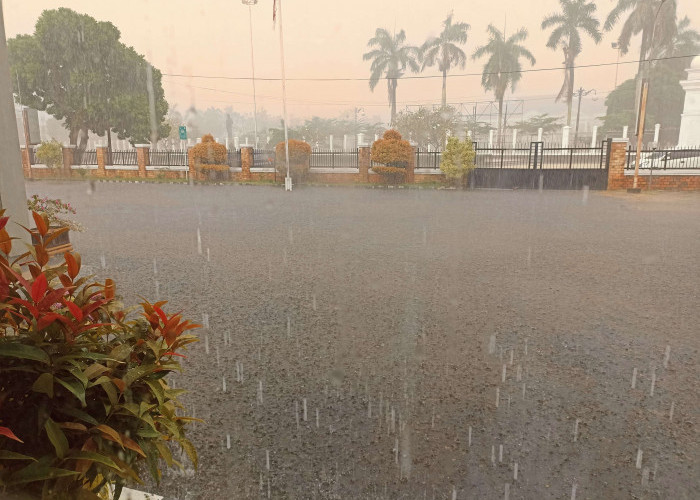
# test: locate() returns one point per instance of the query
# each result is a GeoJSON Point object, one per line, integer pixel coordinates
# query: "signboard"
{"type": "Point", "coordinates": [183, 132]}
{"type": "Point", "coordinates": [31, 124]}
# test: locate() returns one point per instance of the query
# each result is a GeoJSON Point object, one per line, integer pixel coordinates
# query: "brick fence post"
{"type": "Point", "coordinates": [142, 158]}
{"type": "Point", "coordinates": [363, 162]}
{"type": "Point", "coordinates": [101, 153]}
{"type": "Point", "coordinates": [247, 162]}
{"type": "Point", "coordinates": [616, 164]}
{"type": "Point", "coordinates": [26, 164]}
{"type": "Point", "coordinates": [192, 172]}
{"type": "Point", "coordinates": [68, 153]}
{"type": "Point", "coordinates": [410, 168]}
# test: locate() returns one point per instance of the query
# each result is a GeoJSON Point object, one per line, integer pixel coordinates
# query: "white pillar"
{"type": "Point", "coordinates": [491, 138]}
{"type": "Point", "coordinates": [345, 142]}
{"type": "Point", "coordinates": [594, 137]}
{"type": "Point", "coordinates": [689, 134]}
{"type": "Point", "coordinates": [657, 129]}
{"type": "Point", "coordinates": [360, 139]}
{"type": "Point", "coordinates": [330, 142]}
{"type": "Point", "coordinates": [216, 139]}
{"type": "Point", "coordinates": [246, 140]}
{"type": "Point", "coordinates": [565, 136]}
{"type": "Point", "coordinates": [469, 134]}
{"type": "Point", "coordinates": [515, 137]}
{"type": "Point", "coordinates": [376, 137]}
{"type": "Point", "coordinates": [539, 134]}
{"type": "Point", "coordinates": [430, 147]}
{"type": "Point", "coordinates": [236, 143]}
{"type": "Point", "coordinates": [227, 143]}
{"type": "Point", "coordinates": [624, 132]}
{"type": "Point", "coordinates": [199, 140]}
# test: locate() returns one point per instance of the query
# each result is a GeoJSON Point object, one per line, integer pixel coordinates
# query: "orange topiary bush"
{"type": "Point", "coordinates": [209, 152]}
{"type": "Point", "coordinates": [390, 156]}
{"type": "Point", "coordinates": [299, 159]}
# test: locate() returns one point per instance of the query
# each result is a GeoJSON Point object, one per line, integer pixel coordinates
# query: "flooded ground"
{"type": "Point", "coordinates": [410, 344]}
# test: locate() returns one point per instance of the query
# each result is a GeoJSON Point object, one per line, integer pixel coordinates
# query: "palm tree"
{"type": "Point", "coordinates": [657, 17]}
{"type": "Point", "coordinates": [503, 68]}
{"type": "Point", "coordinates": [685, 42]}
{"type": "Point", "coordinates": [390, 58]}
{"type": "Point", "coordinates": [576, 15]}
{"type": "Point", "coordinates": [444, 51]}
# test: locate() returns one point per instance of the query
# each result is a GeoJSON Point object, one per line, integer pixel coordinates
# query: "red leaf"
{"type": "Point", "coordinates": [41, 224]}
{"type": "Point", "coordinates": [5, 431]}
{"type": "Point", "coordinates": [5, 242]}
{"type": "Point", "coordinates": [39, 287]}
{"type": "Point", "coordinates": [48, 319]}
{"type": "Point", "coordinates": [171, 353]}
{"type": "Point", "coordinates": [160, 313]}
{"type": "Point", "coordinates": [73, 264]}
{"type": "Point", "coordinates": [74, 309]}
{"type": "Point", "coordinates": [3, 222]}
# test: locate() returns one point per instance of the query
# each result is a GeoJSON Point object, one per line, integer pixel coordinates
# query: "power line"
{"type": "Point", "coordinates": [424, 77]}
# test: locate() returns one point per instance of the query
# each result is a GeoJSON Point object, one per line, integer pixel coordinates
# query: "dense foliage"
{"type": "Point", "coordinates": [390, 156]}
{"type": "Point", "coordinates": [299, 158]}
{"type": "Point", "coordinates": [457, 159]}
{"type": "Point", "coordinates": [76, 69]}
{"type": "Point", "coordinates": [427, 126]}
{"type": "Point", "coordinates": [83, 394]}
{"type": "Point", "coordinates": [209, 152]}
{"type": "Point", "coordinates": [50, 153]}
{"type": "Point", "coordinates": [55, 212]}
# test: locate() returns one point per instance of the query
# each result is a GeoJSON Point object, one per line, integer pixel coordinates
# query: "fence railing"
{"type": "Point", "coordinates": [87, 157]}
{"type": "Point", "coordinates": [334, 159]}
{"type": "Point", "coordinates": [233, 158]}
{"type": "Point", "coordinates": [32, 156]}
{"type": "Point", "coordinates": [263, 158]}
{"type": "Point", "coordinates": [428, 159]}
{"type": "Point", "coordinates": [125, 157]}
{"type": "Point", "coordinates": [165, 158]}
{"type": "Point", "coordinates": [664, 159]}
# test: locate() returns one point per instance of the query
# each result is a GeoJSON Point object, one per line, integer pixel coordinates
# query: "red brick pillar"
{"type": "Point", "coordinates": [142, 159]}
{"type": "Point", "coordinates": [247, 161]}
{"type": "Point", "coordinates": [363, 162]}
{"type": "Point", "coordinates": [68, 152]}
{"type": "Point", "coordinates": [410, 168]}
{"type": "Point", "coordinates": [26, 164]}
{"type": "Point", "coordinates": [617, 160]}
{"type": "Point", "coordinates": [190, 164]}
{"type": "Point", "coordinates": [101, 153]}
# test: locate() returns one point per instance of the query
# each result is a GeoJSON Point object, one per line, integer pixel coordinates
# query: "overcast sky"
{"type": "Point", "coordinates": [326, 38]}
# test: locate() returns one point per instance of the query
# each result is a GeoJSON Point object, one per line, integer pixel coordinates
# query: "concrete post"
{"type": "Point", "coordinates": [515, 137]}
{"type": "Point", "coordinates": [68, 153]}
{"type": "Point", "coordinates": [594, 137]}
{"type": "Point", "coordinates": [469, 134]}
{"type": "Point", "coordinates": [491, 138]}
{"type": "Point", "coordinates": [360, 139]}
{"type": "Point", "coordinates": [625, 129]}
{"type": "Point", "coordinates": [247, 160]}
{"type": "Point", "coordinates": [657, 129]}
{"type": "Point", "coordinates": [539, 134]}
{"type": "Point", "coordinates": [616, 164]}
{"type": "Point", "coordinates": [236, 143]}
{"type": "Point", "coordinates": [227, 144]}
{"type": "Point", "coordinates": [330, 142]}
{"type": "Point", "coordinates": [363, 162]}
{"type": "Point", "coordinates": [566, 130]}
{"type": "Point", "coordinates": [142, 158]}
{"type": "Point", "coordinates": [345, 142]}
{"type": "Point", "coordinates": [689, 134]}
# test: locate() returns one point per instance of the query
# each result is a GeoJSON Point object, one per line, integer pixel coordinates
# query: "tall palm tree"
{"type": "Point", "coordinates": [576, 16]}
{"type": "Point", "coordinates": [685, 42]}
{"type": "Point", "coordinates": [444, 50]}
{"type": "Point", "coordinates": [503, 68]}
{"type": "Point", "coordinates": [390, 57]}
{"type": "Point", "coordinates": [645, 17]}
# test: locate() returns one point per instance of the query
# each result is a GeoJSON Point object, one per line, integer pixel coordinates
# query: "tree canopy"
{"type": "Point", "coordinates": [76, 69]}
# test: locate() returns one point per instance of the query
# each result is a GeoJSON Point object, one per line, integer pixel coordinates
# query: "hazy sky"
{"type": "Point", "coordinates": [326, 38]}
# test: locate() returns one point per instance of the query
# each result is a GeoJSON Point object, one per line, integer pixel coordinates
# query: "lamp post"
{"type": "Point", "coordinates": [616, 46]}
{"type": "Point", "coordinates": [277, 9]}
{"type": "Point", "coordinates": [250, 4]}
{"type": "Point", "coordinates": [580, 92]}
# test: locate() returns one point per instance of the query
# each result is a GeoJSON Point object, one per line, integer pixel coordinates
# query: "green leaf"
{"type": "Point", "coordinates": [13, 349]}
{"type": "Point", "coordinates": [136, 373]}
{"type": "Point", "coordinates": [148, 432]}
{"type": "Point", "coordinates": [86, 355]}
{"type": "Point", "coordinates": [44, 384]}
{"type": "Point", "coordinates": [77, 373]}
{"type": "Point", "coordinates": [57, 438]}
{"type": "Point", "coordinates": [74, 387]}
{"type": "Point", "coordinates": [164, 452]}
{"type": "Point", "coordinates": [157, 390]}
{"type": "Point", "coordinates": [121, 352]}
{"type": "Point", "coordinates": [94, 457]}
{"type": "Point", "coordinates": [109, 388]}
{"type": "Point", "coordinates": [190, 450]}
{"type": "Point", "coordinates": [11, 455]}
{"type": "Point", "coordinates": [37, 471]}
{"type": "Point", "coordinates": [80, 415]}
{"type": "Point", "coordinates": [94, 370]}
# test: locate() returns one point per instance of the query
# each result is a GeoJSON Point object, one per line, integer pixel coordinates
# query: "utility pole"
{"type": "Point", "coordinates": [13, 197]}
{"type": "Point", "coordinates": [580, 93]}
{"type": "Point", "coordinates": [250, 4]}
{"type": "Point", "coordinates": [287, 179]}
{"type": "Point", "coordinates": [357, 110]}
{"type": "Point", "coordinates": [616, 45]}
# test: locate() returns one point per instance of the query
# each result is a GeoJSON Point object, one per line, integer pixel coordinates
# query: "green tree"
{"type": "Point", "coordinates": [444, 50]}
{"type": "Point", "coordinates": [576, 16]}
{"type": "Point", "coordinates": [645, 17]}
{"type": "Point", "coordinates": [503, 68]}
{"type": "Point", "coordinates": [532, 125]}
{"type": "Point", "coordinates": [685, 42]}
{"type": "Point", "coordinates": [390, 58]}
{"type": "Point", "coordinates": [76, 69]}
{"type": "Point", "coordinates": [428, 126]}
{"type": "Point", "coordinates": [458, 159]}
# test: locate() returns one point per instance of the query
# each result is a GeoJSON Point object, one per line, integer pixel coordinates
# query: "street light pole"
{"type": "Point", "coordinates": [288, 179]}
{"type": "Point", "coordinates": [580, 92]}
{"type": "Point", "coordinates": [616, 45]}
{"type": "Point", "coordinates": [250, 4]}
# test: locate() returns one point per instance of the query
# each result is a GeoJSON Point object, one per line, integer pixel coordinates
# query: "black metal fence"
{"type": "Point", "coordinates": [233, 158]}
{"type": "Point", "coordinates": [664, 159]}
{"type": "Point", "coordinates": [32, 156]}
{"type": "Point", "coordinates": [428, 159]}
{"type": "Point", "coordinates": [167, 158]}
{"type": "Point", "coordinates": [263, 158]}
{"type": "Point", "coordinates": [87, 157]}
{"type": "Point", "coordinates": [126, 157]}
{"type": "Point", "coordinates": [334, 159]}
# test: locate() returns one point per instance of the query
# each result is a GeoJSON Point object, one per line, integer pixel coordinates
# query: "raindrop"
{"type": "Point", "coordinates": [645, 476]}
{"type": "Point", "coordinates": [199, 242]}
{"type": "Point", "coordinates": [667, 355]}
{"type": "Point", "coordinates": [518, 373]}
{"type": "Point", "coordinates": [470, 436]}
{"type": "Point", "coordinates": [573, 491]}
{"type": "Point", "coordinates": [634, 377]}
{"type": "Point", "coordinates": [670, 413]}
{"type": "Point", "coordinates": [639, 458]}
{"type": "Point", "coordinates": [396, 450]}
{"type": "Point", "coordinates": [653, 381]}
{"type": "Point", "coordinates": [289, 326]}
{"type": "Point", "coordinates": [500, 453]}
{"type": "Point", "coordinates": [205, 320]}
{"type": "Point", "coordinates": [503, 374]}
{"type": "Point", "coordinates": [369, 409]}
{"type": "Point", "coordinates": [511, 357]}
{"type": "Point", "coordinates": [267, 459]}
{"type": "Point", "coordinates": [585, 195]}
{"type": "Point", "coordinates": [515, 471]}
{"type": "Point", "coordinates": [103, 262]}
{"type": "Point", "coordinates": [260, 392]}
{"type": "Point", "coordinates": [208, 256]}
{"type": "Point", "coordinates": [492, 344]}
{"type": "Point", "coordinates": [317, 418]}
{"type": "Point", "coordinates": [523, 391]}
{"type": "Point", "coordinates": [216, 349]}
{"type": "Point", "coordinates": [224, 384]}
{"type": "Point", "coordinates": [206, 343]}
{"type": "Point", "coordinates": [157, 290]}
{"type": "Point", "coordinates": [313, 302]}
{"type": "Point", "coordinates": [525, 347]}
{"type": "Point", "coordinates": [576, 430]}
{"type": "Point", "coordinates": [155, 266]}
{"type": "Point", "coordinates": [454, 493]}
{"type": "Point", "coordinates": [296, 412]}
{"type": "Point", "coordinates": [493, 454]}
{"type": "Point", "coordinates": [498, 396]}
{"type": "Point", "coordinates": [228, 441]}
{"type": "Point", "coordinates": [507, 489]}
{"type": "Point", "coordinates": [239, 377]}
{"type": "Point", "coordinates": [304, 405]}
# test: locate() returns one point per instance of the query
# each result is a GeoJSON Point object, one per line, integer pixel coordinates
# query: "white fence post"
{"type": "Point", "coordinates": [657, 129]}
{"type": "Point", "coordinates": [360, 139]}
{"type": "Point", "coordinates": [236, 143]}
{"type": "Point", "coordinates": [469, 134]}
{"type": "Point", "coordinates": [491, 138]}
{"type": "Point", "coordinates": [539, 134]}
{"type": "Point", "coordinates": [330, 142]}
{"type": "Point", "coordinates": [345, 142]}
{"type": "Point", "coordinates": [565, 136]}
{"type": "Point", "coordinates": [624, 131]}
{"type": "Point", "coordinates": [594, 136]}
{"type": "Point", "coordinates": [515, 137]}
